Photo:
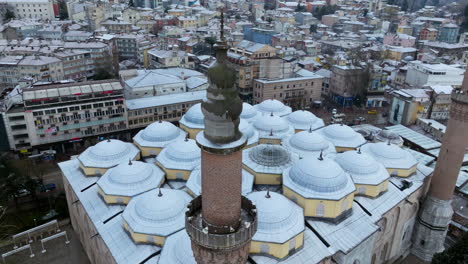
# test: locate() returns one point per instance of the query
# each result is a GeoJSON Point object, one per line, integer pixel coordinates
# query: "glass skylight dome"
{"type": "Point", "coordinates": [304, 120]}
{"type": "Point", "coordinates": [279, 219]}
{"type": "Point", "coordinates": [319, 178]}
{"type": "Point", "coordinates": [363, 168]}
{"type": "Point", "coordinates": [158, 134]}
{"type": "Point", "coordinates": [108, 153]}
{"type": "Point", "coordinates": [194, 182]}
{"type": "Point", "coordinates": [308, 143]}
{"type": "Point", "coordinates": [342, 136]}
{"type": "Point", "coordinates": [273, 106]}
{"type": "Point", "coordinates": [159, 212]}
{"type": "Point", "coordinates": [194, 117]}
{"type": "Point", "coordinates": [249, 113]}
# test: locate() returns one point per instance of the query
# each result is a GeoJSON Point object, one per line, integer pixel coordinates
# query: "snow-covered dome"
{"type": "Point", "coordinates": [249, 113]}
{"type": "Point", "coordinates": [249, 132]}
{"type": "Point", "coordinates": [108, 153]}
{"type": "Point", "coordinates": [131, 178]}
{"type": "Point", "coordinates": [387, 135]}
{"type": "Point", "coordinates": [178, 249]}
{"type": "Point", "coordinates": [408, 58]}
{"type": "Point", "coordinates": [308, 143]}
{"type": "Point", "coordinates": [320, 178]}
{"type": "Point", "coordinates": [194, 182]}
{"type": "Point", "coordinates": [273, 106]}
{"type": "Point", "coordinates": [391, 156]}
{"type": "Point", "coordinates": [181, 155]}
{"type": "Point", "coordinates": [158, 134]}
{"type": "Point", "coordinates": [272, 126]}
{"type": "Point", "coordinates": [279, 219]}
{"type": "Point", "coordinates": [268, 158]}
{"type": "Point", "coordinates": [342, 136]}
{"type": "Point", "coordinates": [194, 117]}
{"type": "Point", "coordinates": [304, 120]}
{"type": "Point", "coordinates": [158, 212]}
{"type": "Point", "coordinates": [363, 168]}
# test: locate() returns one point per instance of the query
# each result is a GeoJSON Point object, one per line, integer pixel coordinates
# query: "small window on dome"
{"type": "Point", "coordinates": [150, 239]}
{"type": "Point", "coordinates": [344, 205]}
{"type": "Point", "coordinates": [179, 176]}
{"type": "Point", "coordinates": [362, 190]}
{"type": "Point", "coordinates": [264, 248]}
{"type": "Point", "coordinates": [320, 210]}
{"type": "Point", "coordinates": [119, 200]}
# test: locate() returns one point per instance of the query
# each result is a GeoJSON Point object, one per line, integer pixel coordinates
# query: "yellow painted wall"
{"type": "Point", "coordinates": [192, 132]}
{"type": "Point", "coordinates": [251, 145]}
{"type": "Point", "coordinates": [146, 151]}
{"type": "Point", "coordinates": [172, 174]}
{"type": "Point", "coordinates": [343, 149]}
{"type": "Point", "coordinates": [269, 141]}
{"type": "Point", "coordinates": [402, 172]}
{"type": "Point", "coordinates": [372, 190]}
{"type": "Point", "coordinates": [143, 238]}
{"type": "Point", "coordinates": [277, 250]}
{"type": "Point", "coordinates": [264, 178]}
{"type": "Point", "coordinates": [332, 208]}
{"type": "Point", "coordinates": [113, 199]}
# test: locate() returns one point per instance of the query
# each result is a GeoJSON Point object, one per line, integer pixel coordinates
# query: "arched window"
{"type": "Point", "coordinates": [320, 210]}
{"type": "Point", "coordinates": [150, 239]}
{"type": "Point", "coordinates": [264, 248]}
{"type": "Point", "coordinates": [179, 176]}
{"type": "Point", "coordinates": [384, 252]}
{"type": "Point", "coordinates": [362, 190]}
{"type": "Point", "coordinates": [344, 205]}
{"type": "Point", "coordinates": [373, 259]}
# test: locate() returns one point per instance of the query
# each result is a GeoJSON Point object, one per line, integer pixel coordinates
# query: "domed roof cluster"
{"type": "Point", "coordinates": [318, 178]}
{"type": "Point", "coordinates": [249, 113]}
{"type": "Point", "coordinates": [389, 136]}
{"type": "Point", "coordinates": [130, 179]}
{"type": "Point", "coordinates": [194, 117]}
{"type": "Point", "coordinates": [304, 120]}
{"type": "Point", "coordinates": [108, 153]}
{"type": "Point", "coordinates": [159, 212]}
{"type": "Point", "coordinates": [363, 168]}
{"type": "Point", "coordinates": [308, 143]}
{"type": "Point", "coordinates": [158, 134]}
{"type": "Point", "coordinates": [342, 136]}
{"type": "Point", "coordinates": [279, 219]}
{"type": "Point", "coordinates": [249, 132]}
{"type": "Point", "coordinates": [272, 126]}
{"type": "Point", "coordinates": [180, 154]}
{"type": "Point", "coordinates": [178, 249]}
{"type": "Point", "coordinates": [273, 106]}
{"type": "Point", "coordinates": [194, 182]}
{"type": "Point", "coordinates": [391, 156]}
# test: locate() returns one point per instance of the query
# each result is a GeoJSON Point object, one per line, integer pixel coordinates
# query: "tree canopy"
{"type": "Point", "coordinates": [324, 10]}
{"type": "Point", "coordinates": [8, 15]}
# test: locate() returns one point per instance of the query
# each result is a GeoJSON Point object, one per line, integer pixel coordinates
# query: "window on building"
{"type": "Point", "coordinates": [320, 210]}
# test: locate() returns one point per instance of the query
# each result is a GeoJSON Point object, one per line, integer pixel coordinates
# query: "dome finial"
{"type": "Point", "coordinates": [271, 113]}
{"type": "Point", "coordinates": [321, 155]}
{"type": "Point", "coordinates": [108, 139]}
{"type": "Point", "coordinates": [359, 151]}
{"type": "Point", "coordinates": [310, 129]}
{"type": "Point", "coordinates": [129, 162]}
{"type": "Point", "coordinates": [160, 121]}
{"type": "Point", "coordinates": [271, 132]}
{"type": "Point", "coordinates": [388, 143]}
{"type": "Point", "coordinates": [186, 137]}
{"type": "Point", "coordinates": [267, 194]}
{"type": "Point", "coordinates": [159, 193]}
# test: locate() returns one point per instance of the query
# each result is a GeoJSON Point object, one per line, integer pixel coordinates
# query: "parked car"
{"type": "Point", "coordinates": [22, 193]}
{"type": "Point", "coordinates": [48, 187]}
{"type": "Point", "coordinates": [360, 119]}
{"type": "Point", "coordinates": [372, 112]}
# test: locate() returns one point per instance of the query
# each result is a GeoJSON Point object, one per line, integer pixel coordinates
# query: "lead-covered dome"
{"type": "Point", "coordinates": [249, 132]}
{"type": "Point", "coordinates": [342, 136]}
{"type": "Point", "coordinates": [178, 249]}
{"type": "Point", "coordinates": [108, 153]}
{"type": "Point", "coordinates": [249, 113]}
{"type": "Point", "coordinates": [308, 143]}
{"type": "Point", "coordinates": [273, 106]}
{"type": "Point", "coordinates": [193, 118]}
{"type": "Point", "coordinates": [181, 155]}
{"type": "Point", "coordinates": [304, 120]}
{"type": "Point", "coordinates": [279, 219]}
{"type": "Point", "coordinates": [391, 156]}
{"type": "Point", "coordinates": [319, 178]}
{"type": "Point", "coordinates": [130, 179]}
{"type": "Point", "coordinates": [159, 212]}
{"type": "Point", "coordinates": [194, 182]}
{"type": "Point", "coordinates": [363, 168]}
{"type": "Point", "coordinates": [389, 136]}
{"type": "Point", "coordinates": [158, 135]}
{"type": "Point", "coordinates": [272, 126]}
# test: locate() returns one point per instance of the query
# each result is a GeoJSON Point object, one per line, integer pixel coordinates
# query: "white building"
{"type": "Point", "coordinates": [421, 74]}
{"type": "Point", "coordinates": [36, 9]}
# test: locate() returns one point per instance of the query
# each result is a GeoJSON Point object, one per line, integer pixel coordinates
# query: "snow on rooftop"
{"type": "Point", "coordinates": [168, 99]}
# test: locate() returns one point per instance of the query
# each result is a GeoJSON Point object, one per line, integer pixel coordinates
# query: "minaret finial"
{"type": "Point", "coordinates": [130, 162]}
{"type": "Point", "coordinates": [222, 26]}
{"type": "Point", "coordinates": [271, 132]}
{"type": "Point", "coordinates": [321, 155]}
{"type": "Point", "coordinates": [108, 139]}
{"type": "Point", "coordinates": [389, 143]}
{"type": "Point", "coordinates": [267, 194]}
{"type": "Point", "coordinates": [159, 193]}
{"type": "Point", "coordinates": [186, 137]}
{"type": "Point", "coordinates": [271, 114]}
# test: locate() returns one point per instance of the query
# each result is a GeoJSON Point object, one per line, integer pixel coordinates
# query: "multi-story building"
{"type": "Point", "coordinates": [99, 55]}
{"type": "Point", "coordinates": [344, 83]}
{"type": "Point", "coordinates": [407, 105]}
{"type": "Point", "coordinates": [117, 26]}
{"type": "Point", "coordinates": [74, 64]}
{"type": "Point", "coordinates": [187, 21]}
{"type": "Point", "coordinates": [448, 33]}
{"type": "Point", "coordinates": [428, 34]}
{"type": "Point", "coordinates": [169, 58]}
{"type": "Point", "coordinates": [439, 107]}
{"type": "Point", "coordinates": [58, 114]}
{"type": "Point", "coordinates": [298, 92]}
{"type": "Point", "coordinates": [421, 74]}
{"type": "Point", "coordinates": [35, 9]}
{"type": "Point", "coordinates": [402, 40]}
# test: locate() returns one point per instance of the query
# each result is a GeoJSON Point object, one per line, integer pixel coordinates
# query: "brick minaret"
{"type": "Point", "coordinates": [436, 211]}
{"type": "Point", "coordinates": [221, 222]}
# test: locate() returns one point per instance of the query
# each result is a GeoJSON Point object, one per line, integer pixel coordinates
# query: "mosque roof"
{"type": "Point", "coordinates": [108, 153]}
{"type": "Point", "coordinates": [159, 135]}
{"type": "Point", "coordinates": [279, 219]}
{"type": "Point", "coordinates": [131, 178]}
{"type": "Point", "coordinates": [272, 126]}
{"type": "Point", "coordinates": [273, 106]}
{"type": "Point", "coordinates": [194, 117]}
{"type": "Point", "coordinates": [342, 136]}
{"type": "Point", "coordinates": [249, 112]}
{"type": "Point", "coordinates": [363, 168]}
{"type": "Point", "coordinates": [194, 182]}
{"type": "Point", "coordinates": [318, 178]}
{"type": "Point", "coordinates": [158, 212]}
{"type": "Point", "coordinates": [249, 132]}
{"type": "Point", "coordinates": [391, 156]}
{"type": "Point", "coordinates": [388, 135]}
{"type": "Point", "coordinates": [268, 158]}
{"type": "Point", "coordinates": [303, 120]}
{"type": "Point", "coordinates": [307, 143]}
{"type": "Point", "coordinates": [178, 249]}
{"type": "Point", "coordinates": [180, 154]}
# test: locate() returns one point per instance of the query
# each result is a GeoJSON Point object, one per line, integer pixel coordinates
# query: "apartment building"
{"type": "Point", "coordinates": [421, 74]}
{"type": "Point", "coordinates": [298, 92]}
{"type": "Point", "coordinates": [74, 63]}
{"type": "Point", "coordinates": [35, 9]}
{"type": "Point", "coordinates": [169, 58]}
{"type": "Point", "coordinates": [65, 115]}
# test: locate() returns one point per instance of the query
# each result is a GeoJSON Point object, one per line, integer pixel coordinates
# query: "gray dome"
{"type": "Point", "coordinates": [269, 155]}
